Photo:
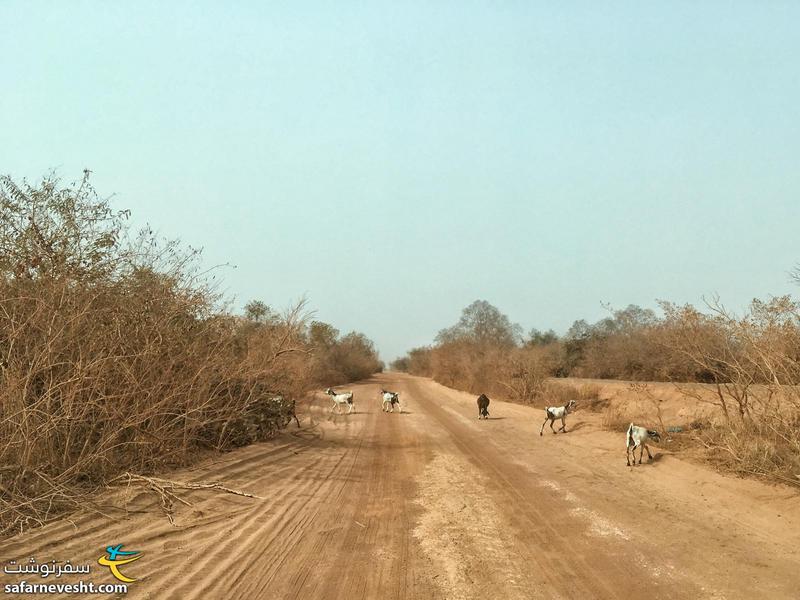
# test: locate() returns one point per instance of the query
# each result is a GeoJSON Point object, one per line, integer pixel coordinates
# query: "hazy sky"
{"type": "Point", "coordinates": [396, 161]}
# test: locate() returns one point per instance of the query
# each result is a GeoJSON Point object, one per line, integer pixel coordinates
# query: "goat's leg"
{"type": "Point", "coordinates": [563, 424]}
{"type": "Point", "coordinates": [628, 456]}
{"type": "Point", "coordinates": [649, 457]}
{"type": "Point", "coordinates": [641, 453]}
{"type": "Point", "coordinates": [551, 425]}
{"type": "Point", "coordinates": [541, 431]}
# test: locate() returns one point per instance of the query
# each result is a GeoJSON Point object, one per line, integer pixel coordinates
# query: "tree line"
{"type": "Point", "coordinates": [749, 363]}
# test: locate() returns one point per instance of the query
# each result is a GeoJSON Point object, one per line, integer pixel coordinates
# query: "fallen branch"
{"type": "Point", "coordinates": [165, 489]}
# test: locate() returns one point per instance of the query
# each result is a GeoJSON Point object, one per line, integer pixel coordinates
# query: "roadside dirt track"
{"type": "Point", "coordinates": [433, 503]}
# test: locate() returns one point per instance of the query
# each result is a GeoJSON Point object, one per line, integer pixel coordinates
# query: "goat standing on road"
{"type": "Point", "coordinates": [483, 406]}
{"type": "Point", "coordinates": [389, 400]}
{"type": "Point", "coordinates": [558, 412]}
{"type": "Point", "coordinates": [293, 413]}
{"type": "Point", "coordinates": [290, 408]}
{"type": "Point", "coordinates": [341, 400]}
{"type": "Point", "coordinates": [637, 438]}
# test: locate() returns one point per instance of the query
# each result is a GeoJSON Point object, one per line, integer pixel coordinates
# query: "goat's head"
{"type": "Point", "coordinates": [654, 435]}
{"type": "Point", "coordinates": [330, 392]}
{"type": "Point", "coordinates": [571, 405]}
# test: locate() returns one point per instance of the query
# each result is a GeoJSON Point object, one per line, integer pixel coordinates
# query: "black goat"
{"type": "Point", "coordinates": [483, 406]}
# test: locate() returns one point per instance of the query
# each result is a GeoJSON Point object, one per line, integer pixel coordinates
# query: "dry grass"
{"type": "Point", "coordinates": [616, 418]}
{"type": "Point", "coordinates": [115, 356]}
{"type": "Point", "coordinates": [753, 450]}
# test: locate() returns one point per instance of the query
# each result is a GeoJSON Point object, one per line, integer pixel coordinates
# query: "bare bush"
{"type": "Point", "coordinates": [754, 364]}
{"type": "Point", "coordinates": [616, 418]}
{"type": "Point", "coordinates": [115, 356]}
{"type": "Point", "coordinates": [484, 353]}
{"type": "Point", "coordinates": [339, 359]}
{"type": "Point", "coordinates": [643, 391]}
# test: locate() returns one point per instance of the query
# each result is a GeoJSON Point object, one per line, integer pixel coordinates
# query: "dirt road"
{"type": "Point", "coordinates": [433, 503]}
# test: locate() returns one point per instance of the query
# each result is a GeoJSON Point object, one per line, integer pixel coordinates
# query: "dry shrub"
{"type": "Point", "coordinates": [589, 398]}
{"type": "Point", "coordinates": [115, 355]}
{"type": "Point", "coordinates": [751, 449]}
{"type": "Point", "coordinates": [524, 372]}
{"type": "Point", "coordinates": [338, 359]}
{"type": "Point", "coordinates": [753, 363]}
{"type": "Point", "coordinates": [557, 393]}
{"type": "Point", "coordinates": [589, 391]}
{"type": "Point", "coordinates": [518, 374]}
{"type": "Point", "coordinates": [644, 392]}
{"type": "Point", "coordinates": [615, 418]}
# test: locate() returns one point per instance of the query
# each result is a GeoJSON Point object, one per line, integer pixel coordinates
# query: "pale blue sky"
{"type": "Point", "coordinates": [396, 161]}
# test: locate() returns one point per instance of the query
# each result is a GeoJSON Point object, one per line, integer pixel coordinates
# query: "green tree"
{"type": "Point", "coordinates": [322, 335]}
{"type": "Point", "coordinates": [481, 323]}
{"type": "Point", "coordinates": [259, 312]}
{"type": "Point", "coordinates": [541, 338]}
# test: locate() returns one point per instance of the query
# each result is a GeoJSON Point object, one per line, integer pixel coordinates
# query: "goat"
{"type": "Point", "coordinates": [558, 412]}
{"type": "Point", "coordinates": [341, 399]}
{"type": "Point", "coordinates": [637, 438]}
{"type": "Point", "coordinates": [483, 406]}
{"type": "Point", "coordinates": [389, 400]}
{"type": "Point", "coordinates": [289, 408]}
{"type": "Point", "coordinates": [292, 413]}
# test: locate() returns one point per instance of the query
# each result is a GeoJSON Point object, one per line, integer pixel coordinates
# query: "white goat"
{"type": "Point", "coordinates": [341, 400]}
{"type": "Point", "coordinates": [637, 438]}
{"type": "Point", "coordinates": [389, 400]}
{"type": "Point", "coordinates": [558, 412]}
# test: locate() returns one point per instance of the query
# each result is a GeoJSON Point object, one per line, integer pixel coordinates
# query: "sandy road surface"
{"type": "Point", "coordinates": [433, 503]}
